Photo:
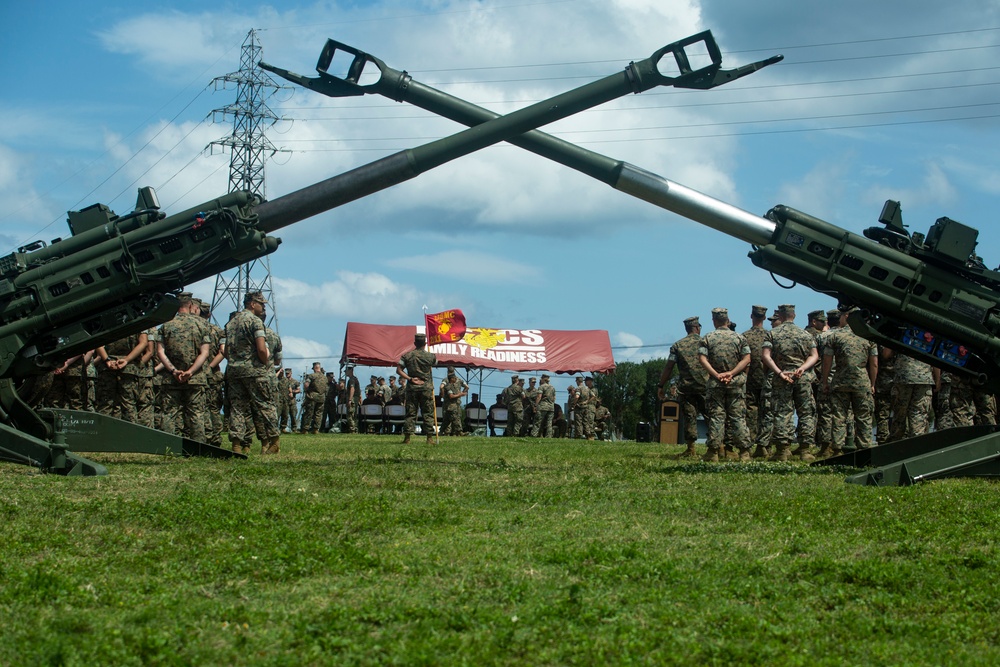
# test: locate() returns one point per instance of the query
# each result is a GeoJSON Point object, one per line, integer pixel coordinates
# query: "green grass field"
{"type": "Point", "coordinates": [359, 550]}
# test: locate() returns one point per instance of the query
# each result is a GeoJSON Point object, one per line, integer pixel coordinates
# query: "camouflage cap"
{"type": "Point", "coordinates": [758, 311]}
{"type": "Point", "coordinates": [589, 378]}
{"type": "Point", "coordinates": [451, 372]}
{"type": "Point", "coordinates": [692, 321]}
{"type": "Point", "coordinates": [786, 309]}
{"type": "Point", "coordinates": [719, 313]}
{"type": "Point", "coordinates": [420, 338]}
{"type": "Point", "coordinates": [817, 315]}
{"type": "Point", "coordinates": [254, 296]}
{"type": "Point", "coordinates": [514, 377]}
{"type": "Point", "coordinates": [545, 376]}
{"type": "Point", "coordinates": [531, 380]}
{"type": "Point", "coordinates": [834, 314]}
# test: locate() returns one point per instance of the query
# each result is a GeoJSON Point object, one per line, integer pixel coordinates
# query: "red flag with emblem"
{"type": "Point", "coordinates": [445, 327]}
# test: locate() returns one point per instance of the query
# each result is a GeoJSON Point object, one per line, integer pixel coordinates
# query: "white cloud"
{"type": "Point", "coordinates": [934, 189]}
{"type": "Point", "coordinates": [294, 347]}
{"type": "Point", "coordinates": [472, 266]}
{"type": "Point", "coordinates": [366, 297]}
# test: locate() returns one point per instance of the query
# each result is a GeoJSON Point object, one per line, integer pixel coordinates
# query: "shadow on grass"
{"type": "Point", "coordinates": [754, 468]}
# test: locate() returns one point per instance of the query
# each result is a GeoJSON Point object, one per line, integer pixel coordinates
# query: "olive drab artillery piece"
{"type": "Point", "coordinates": [118, 275]}
{"type": "Point", "coordinates": [929, 295]}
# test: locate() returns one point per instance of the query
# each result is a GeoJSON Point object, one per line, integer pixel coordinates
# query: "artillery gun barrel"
{"type": "Point", "coordinates": [657, 190]}
{"type": "Point", "coordinates": [407, 164]}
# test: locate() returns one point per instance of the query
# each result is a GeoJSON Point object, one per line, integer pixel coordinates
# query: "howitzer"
{"type": "Point", "coordinates": [117, 275]}
{"type": "Point", "coordinates": [928, 295]}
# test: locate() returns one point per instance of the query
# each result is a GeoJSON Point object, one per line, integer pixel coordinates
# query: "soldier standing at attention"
{"type": "Point", "coordinates": [818, 327]}
{"type": "Point", "coordinates": [765, 409]}
{"type": "Point", "coordinates": [791, 353]}
{"type": "Point", "coordinates": [122, 374]}
{"type": "Point", "coordinates": [912, 388]}
{"type": "Point", "coordinates": [513, 396]}
{"type": "Point", "coordinates": [883, 396]}
{"type": "Point", "coordinates": [725, 355]}
{"type": "Point", "coordinates": [417, 368]}
{"type": "Point", "coordinates": [691, 382]}
{"type": "Point", "coordinates": [353, 399]}
{"type": "Point", "coordinates": [184, 348]}
{"type": "Point", "coordinates": [312, 406]}
{"type": "Point", "coordinates": [590, 413]}
{"type": "Point", "coordinates": [755, 336]}
{"type": "Point", "coordinates": [545, 409]}
{"type": "Point", "coordinates": [290, 389]}
{"type": "Point", "coordinates": [214, 398]}
{"type": "Point", "coordinates": [852, 388]}
{"type": "Point", "coordinates": [247, 370]}
{"type": "Point", "coordinates": [454, 389]}
{"type": "Point", "coordinates": [581, 396]}
{"type": "Point", "coordinates": [530, 403]}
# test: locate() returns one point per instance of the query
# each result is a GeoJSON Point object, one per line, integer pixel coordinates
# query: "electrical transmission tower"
{"type": "Point", "coordinates": [249, 151]}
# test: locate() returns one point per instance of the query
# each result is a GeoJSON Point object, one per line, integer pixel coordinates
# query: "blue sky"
{"type": "Point", "coordinates": [869, 104]}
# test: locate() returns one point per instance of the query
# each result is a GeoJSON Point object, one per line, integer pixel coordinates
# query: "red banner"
{"type": "Point", "coordinates": [521, 350]}
{"type": "Point", "coordinates": [444, 327]}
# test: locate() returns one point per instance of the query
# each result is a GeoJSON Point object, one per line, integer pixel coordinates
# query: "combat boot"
{"type": "Point", "coordinates": [430, 440]}
{"type": "Point", "coordinates": [781, 454]}
{"type": "Point", "coordinates": [688, 453]}
{"type": "Point", "coordinates": [406, 439]}
{"type": "Point", "coordinates": [273, 446]}
{"type": "Point", "coordinates": [237, 448]}
{"type": "Point", "coordinates": [745, 454]}
{"type": "Point", "coordinates": [730, 453]}
{"type": "Point", "coordinates": [711, 456]}
{"type": "Point", "coordinates": [761, 452]}
{"type": "Point", "coordinates": [825, 452]}
{"type": "Point", "coordinates": [802, 453]}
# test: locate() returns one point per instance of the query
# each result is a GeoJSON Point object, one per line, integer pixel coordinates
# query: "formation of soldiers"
{"type": "Point", "coordinates": [532, 411]}
{"type": "Point", "coordinates": [170, 378]}
{"type": "Point", "coordinates": [788, 391]}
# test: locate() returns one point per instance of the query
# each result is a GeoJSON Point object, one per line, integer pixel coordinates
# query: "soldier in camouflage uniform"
{"type": "Point", "coordinates": [962, 405]}
{"type": "Point", "coordinates": [214, 398]}
{"type": "Point", "coordinates": [883, 396]}
{"type": "Point", "coordinates": [530, 404]}
{"type": "Point", "coordinates": [545, 405]}
{"type": "Point", "coordinates": [183, 351]}
{"type": "Point", "coordinates": [286, 419]}
{"type": "Point", "coordinates": [453, 390]}
{"type": "Point", "coordinates": [755, 337]}
{"type": "Point", "coordinates": [765, 409]}
{"type": "Point", "coordinates": [819, 328]}
{"type": "Point", "coordinates": [275, 353]}
{"type": "Point", "coordinates": [353, 400]}
{"type": "Point", "coordinates": [119, 380]}
{"type": "Point", "coordinates": [852, 387]}
{"type": "Point", "coordinates": [725, 356]}
{"type": "Point", "coordinates": [912, 388]}
{"type": "Point", "coordinates": [417, 368]}
{"type": "Point", "coordinates": [513, 397]}
{"type": "Point", "coordinates": [590, 409]}
{"type": "Point", "coordinates": [247, 370]}
{"type": "Point", "coordinates": [942, 401]}
{"type": "Point", "coordinates": [986, 407]}
{"type": "Point", "coordinates": [692, 378]}
{"type": "Point", "coordinates": [68, 388]}
{"type": "Point", "coordinates": [315, 397]}
{"type": "Point", "coordinates": [791, 353]}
